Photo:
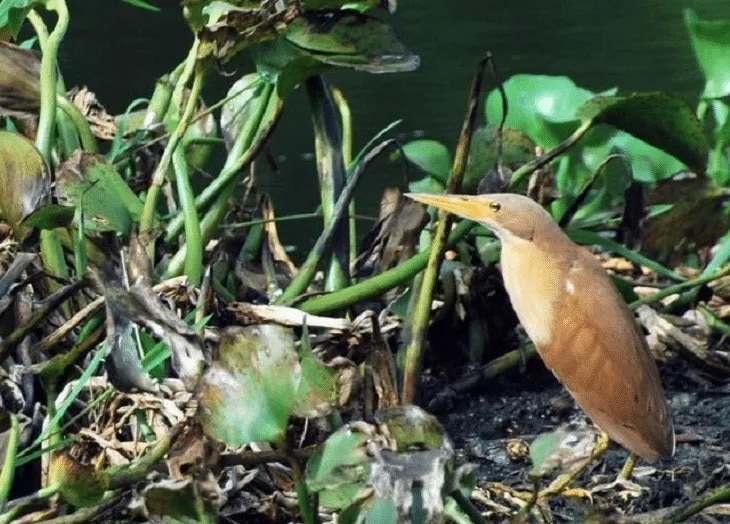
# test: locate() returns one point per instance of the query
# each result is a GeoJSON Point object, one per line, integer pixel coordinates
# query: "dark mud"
{"type": "Point", "coordinates": [520, 405]}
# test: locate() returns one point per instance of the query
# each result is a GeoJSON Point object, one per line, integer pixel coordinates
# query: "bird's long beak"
{"type": "Point", "coordinates": [467, 206]}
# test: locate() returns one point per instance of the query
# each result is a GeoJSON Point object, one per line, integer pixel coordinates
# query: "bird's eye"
{"type": "Point", "coordinates": [495, 206]}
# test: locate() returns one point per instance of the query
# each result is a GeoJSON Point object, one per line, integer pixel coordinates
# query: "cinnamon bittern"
{"type": "Point", "coordinates": [576, 318]}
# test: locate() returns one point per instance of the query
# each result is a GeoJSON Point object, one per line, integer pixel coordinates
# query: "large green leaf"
{"type": "Point", "coordinates": [711, 44]}
{"type": "Point", "coordinates": [247, 393]}
{"type": "Point", "coordinates": [24, 184]}
{"type": "Point", "coordinates": [659, 119]}
{"type": "Point", "coordinates": [542, 106]}
{"type": "Point", "coordinates": [351, 39]}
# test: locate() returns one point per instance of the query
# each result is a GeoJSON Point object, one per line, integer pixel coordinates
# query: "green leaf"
{"type": "Point", "coordinates": [106, 202]}
{"type": "Point", "coordinates": [659, 119]}
{"type": "Point", "coordinates": [247, 393]}
{"type": "Point", "coordinates": [24, 184]}
{"type": "Point", "coordinates": [711, 43]}
{"type": "Point", "coordinates": [244, 101]}
{"type": "Point", "coordinates": [316, 393]}
{"type": "Point", "coordinates": [542, 106]}
{"type": "Point", "coordinates": [430, 156]}
{"type": "Point", "coordinates": [282, 63]}
{"type": "Point", "coordinates": [12, 16]}
{"type": "Point", "coordinates": [350, 39]}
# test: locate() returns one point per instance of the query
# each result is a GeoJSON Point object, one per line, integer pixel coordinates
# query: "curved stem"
{"type": "Point", "coordinates": [47, 116]}
{"type": "Point", "coordinates": [158, 177]}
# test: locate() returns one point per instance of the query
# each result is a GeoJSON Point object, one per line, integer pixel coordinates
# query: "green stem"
{"type": "Point", "coordinates": [378, 285]}
{"type": "Point", "coordinates": [677, 288]}
{"type": "Point", "coordinates": [208, 225]}
{"type": "Point", "coordinates": [47, 117]}
{"type": "Point", "coordinates": [150, 204]}
{"type": "Point", "coordinates": [88, 142]}
{"type": "Point", "coordinates": [241, 154]}
{"type": "Point", "coordinates": [8, 472]}
{"type": "Point", "coordinates": [422, 310]}
{"type": "Point", "coordinates": [548, 157]}
{"type": "Point", "coordinates": [193, 237]}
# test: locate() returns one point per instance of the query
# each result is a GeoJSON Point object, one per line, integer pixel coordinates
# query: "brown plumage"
{"type": "Point", "coordinates": [576, 318]}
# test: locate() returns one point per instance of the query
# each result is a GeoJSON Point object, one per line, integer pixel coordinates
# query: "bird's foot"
{"type": "Point", "coordinates": [626, 489]}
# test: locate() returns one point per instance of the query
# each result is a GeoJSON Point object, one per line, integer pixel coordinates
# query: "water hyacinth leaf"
{"type": "Point", "coordinates": [24, 184]}
{"type": "Point", "coordinates": [247, 393]}
{"type": "Point", "coordinates": [517, 149]}
{"type": "Point", "coordinates": [351, 39]}
{"type": "Point", "coordinates": [659, 119]}
{"type": "Point", "coordinates": [710, 41]}
{"type": "Point", "coordinates": [561, 449]}
{"type": "Point", "coordinates": [539, 105]}
{"type": "Point", "coordinates": [430, 156]}
{"type": "Point", "coordinates": [284, 64]}
{"type": "Point", "coordinates": [384, 510]}
{"type": "Point", "coordinates": [340, 469]}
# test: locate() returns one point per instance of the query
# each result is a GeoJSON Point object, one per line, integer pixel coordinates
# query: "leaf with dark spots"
{"type": "Point", "coordinates": [350, 39]}
{"type": "Point", "coordinates": [247, 393]}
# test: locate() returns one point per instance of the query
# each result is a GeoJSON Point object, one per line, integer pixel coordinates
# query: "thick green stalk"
{"type": "Point", "coordinates": [208, 226]}
{"type": "Point", "coordinates": [331, 171]}
{"type": "Point", "coordinates": [378, 285]}
{"type": "Point", "coordinates": [150, 204]}
{"type": "Point", "coordinates": [11, 451]}
{"type": "Point", "coordinates": [422, 313]}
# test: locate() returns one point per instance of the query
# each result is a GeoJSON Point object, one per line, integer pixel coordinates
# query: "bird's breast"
{"type": "Point", "coordinates": [534, 281]}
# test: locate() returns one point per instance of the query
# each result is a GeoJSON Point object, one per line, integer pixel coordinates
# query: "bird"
{"type": "Point", "coordinates": [579, 323]}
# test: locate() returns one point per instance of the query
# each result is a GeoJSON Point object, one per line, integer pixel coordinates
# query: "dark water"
{"type": "Point", "coordinates": [118, 51]}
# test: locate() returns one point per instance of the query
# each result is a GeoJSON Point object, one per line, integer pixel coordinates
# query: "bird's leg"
{"type": "Point", "coordinates": [623, 482]}
{"type": "Point", "coordinates": [628, 468]}
{"type": "Point", "coordinates": [560, 484]}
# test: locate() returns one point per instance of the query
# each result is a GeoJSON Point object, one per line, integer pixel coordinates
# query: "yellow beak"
{"type": "Point", "coordinates": [467, 206]}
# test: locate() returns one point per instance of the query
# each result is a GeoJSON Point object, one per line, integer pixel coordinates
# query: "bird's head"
{"type": "Point", "coordinates": [511, 217]}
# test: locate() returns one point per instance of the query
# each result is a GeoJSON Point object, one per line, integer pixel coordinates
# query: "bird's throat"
{"type": "Point", "coordinates": [533, 280]}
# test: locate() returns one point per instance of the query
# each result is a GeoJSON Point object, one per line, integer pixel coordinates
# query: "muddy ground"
{"type": "Point", "coordinates": [518, 406]}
